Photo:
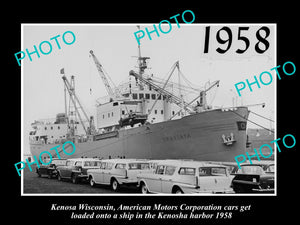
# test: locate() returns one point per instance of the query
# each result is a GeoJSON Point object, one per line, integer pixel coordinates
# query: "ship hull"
{"type": "Point", "coordinates": [198, 137]}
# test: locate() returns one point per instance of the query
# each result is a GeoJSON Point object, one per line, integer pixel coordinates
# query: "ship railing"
{"type": "Point", "coordinates": [44, 121]}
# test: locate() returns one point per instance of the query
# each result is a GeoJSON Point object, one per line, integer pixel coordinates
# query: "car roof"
{"type": "Point", "coordinates": [256, 164]}
{"type": "Point", "coordinates": [125, 160]}
{"type": "Point", "coordinates": [84, 159]}
{"type": "Point", "coordinates": [190, 163]}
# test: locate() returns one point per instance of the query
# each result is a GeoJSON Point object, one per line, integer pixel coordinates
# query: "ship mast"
{"type": "Point", "coordinates": [141, 60]}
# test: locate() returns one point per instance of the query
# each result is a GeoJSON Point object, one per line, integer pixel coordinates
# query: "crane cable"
{"type": "Point", "coordinates": [252, 121]}
{"type": "Point", "coordinates": [263, 116]}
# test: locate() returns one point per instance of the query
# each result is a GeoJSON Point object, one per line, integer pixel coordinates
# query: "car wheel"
{"type": "Point", "coordinates": [144, 189]}
{"type": "Point", "coordinates": [92, 182]}
{"type": "Point", "coordinates": [74, 179]}
{"type": "Point", "coordinates": [115, 185]}
{"type": "Point", "coordinates": [178, 191]}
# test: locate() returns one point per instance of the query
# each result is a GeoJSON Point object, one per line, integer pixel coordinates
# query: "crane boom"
{"type": "Point", "coordinates": [161, 90]}
{"type": "Point", "coordinates": [75, 99]}
{"type": "Point", "coordinates": [103, 76]}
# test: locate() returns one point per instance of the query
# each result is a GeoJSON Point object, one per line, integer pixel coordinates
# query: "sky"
{"type": "Point", "coordinates": [115, 47]}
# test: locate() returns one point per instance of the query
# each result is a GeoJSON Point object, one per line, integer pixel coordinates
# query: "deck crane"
{"type": "Point", "coordinates": [161, 90]}
{"type": "Point", "coordinates": [73, 97]}
{"type": "Point", "coordinates": [177, 100]}
{"type": "Point", "coordinates": [109, 90]}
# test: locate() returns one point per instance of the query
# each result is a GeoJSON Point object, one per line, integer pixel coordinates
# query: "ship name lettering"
{"type": "Point", "coordinates": [177, 137]}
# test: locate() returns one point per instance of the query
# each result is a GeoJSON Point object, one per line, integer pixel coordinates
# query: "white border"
{"type": "Point", "coordinates": [137, 194]}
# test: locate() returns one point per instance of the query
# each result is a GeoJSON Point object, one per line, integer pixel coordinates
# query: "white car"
{"type": "Point", "coordinates": [179, 176]}
{"type": "Point", "coordinates": [117, 172]}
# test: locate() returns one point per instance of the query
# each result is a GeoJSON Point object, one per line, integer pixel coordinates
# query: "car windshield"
{"type": "Point", "coordinates": [270, 169]}
{"type": "Point", "coordinates": [92, 163]}
{"type": "Point", "coordinates": [212, 171]}
{"type": "Point", "coordinates": [59, 162]}
{"type": "Point", "coordinates": [139, 166]}
{"type": "Point", "coordinates": [251, 170]}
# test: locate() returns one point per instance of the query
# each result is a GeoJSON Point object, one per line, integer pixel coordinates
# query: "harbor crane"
{"type": "Point", "coordinates": [100, 69]}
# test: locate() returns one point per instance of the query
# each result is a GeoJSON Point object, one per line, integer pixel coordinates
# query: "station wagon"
{"type": "Point", "coordinates": [117, 172]}
{"type": "Point", "coordinates": [186, 177]}
{"type": "Point", "coordinates": [76, 169]}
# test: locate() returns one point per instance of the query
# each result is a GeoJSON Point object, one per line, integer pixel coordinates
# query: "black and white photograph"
{"type": "Point", "coordinates": [162, 115]}
{"type": "Point", "coordinates": [141, 118]}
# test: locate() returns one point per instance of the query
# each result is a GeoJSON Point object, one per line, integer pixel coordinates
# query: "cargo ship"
{"type": "Point", "coordinates": [143, 119]}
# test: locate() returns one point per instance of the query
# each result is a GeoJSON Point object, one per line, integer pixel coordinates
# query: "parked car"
{"type": "Point", "coordinates": [267, 166]}
{"type": "Point", "coordinates": [76, 169]}
{"type": "Point", "coordinates": [117, 172]}
{"type": "Point", "coordinates": [254, 178]}
{"type": "Point", "coordinates": [179, 176]}
{"type": "Point", "coordinates": [50, 170]}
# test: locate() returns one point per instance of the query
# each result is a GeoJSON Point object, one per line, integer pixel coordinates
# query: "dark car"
{"type": "Point", "coordinates": [76, 169]}
{"type": "Point", "coordinates": [254, 178]}
{"type": "Point", "coordinates": [50, 170]}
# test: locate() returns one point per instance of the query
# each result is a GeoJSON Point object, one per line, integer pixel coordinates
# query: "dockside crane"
{"type": "Point", "coordinates": [100, 69]}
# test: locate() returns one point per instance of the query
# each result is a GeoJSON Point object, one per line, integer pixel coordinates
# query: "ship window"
{"type": "Point", "coordinates": [123, 112]}
{"type": "Point", "coordinates": [173, 113]}
{"type": "Point", "coordinates": [134, 96]}
{"type": "Point", "coordinates": [155, 111]}
{"type": "Point", "coordinates": [147, 96]}
{"type": "Point", "coordinates": [108, 115]}
{"type": "Point", "coordinates": [58, 127]}
{"type": "Point", "coordinates": [159, 97]}
{"type": "Point", "coordinates": [51, 128]}
{"type": "Point", "coordinates": [161, 111]}
{"type": "Point", "coordinates": [115, 103]}
{"type": "Point", "coordinates": [112, 114]}
{"type": "Point", "coordinates": [45, 128]}
{"type": "Point", "coordinates": [153, 96]}
{"type": "Point", "coordinates": [141, 95]}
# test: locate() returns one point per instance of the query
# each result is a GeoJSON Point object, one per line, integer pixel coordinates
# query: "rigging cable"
{"type": "Point", "coordinates": [263, 117]}
{"type": "Point", "coordinates": [252, 121]}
